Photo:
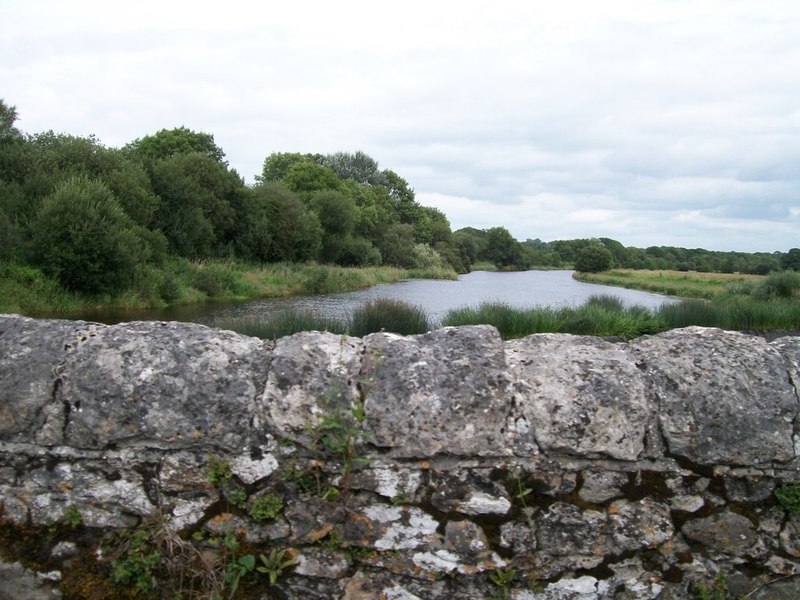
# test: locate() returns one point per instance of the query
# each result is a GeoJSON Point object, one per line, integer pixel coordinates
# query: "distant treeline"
{"type": "Point", "coordinates": [494, 247]}
{"type": "Point", "coordinates": [102, 220]}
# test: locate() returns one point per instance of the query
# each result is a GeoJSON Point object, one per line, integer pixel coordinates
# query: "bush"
{"type": "Point", "coordinates": [388, 315]}
{"type": "Point", "coordinates": [778, 285]}
{"type": "Point", "coordinates": [220, 280]}
{"type": "Point", "coordinates": [82, 237]}
{"type": "Point", "coordinates": [593, 258]}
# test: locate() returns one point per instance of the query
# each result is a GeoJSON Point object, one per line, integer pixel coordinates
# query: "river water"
{"type": "Point", "coordinates": [523, 289]}
{"type": "Point", "coordinates": [436, 297]}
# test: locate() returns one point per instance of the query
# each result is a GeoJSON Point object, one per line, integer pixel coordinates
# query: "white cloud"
{"type": "Point", "coordinates": [556, 120]}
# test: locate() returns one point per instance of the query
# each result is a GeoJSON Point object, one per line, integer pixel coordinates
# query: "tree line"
{"type": "Point", "coordinates": [97, 219]}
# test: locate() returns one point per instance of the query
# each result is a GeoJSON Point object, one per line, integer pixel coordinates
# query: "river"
{"type": "Point", "coordinates": [523, 289]}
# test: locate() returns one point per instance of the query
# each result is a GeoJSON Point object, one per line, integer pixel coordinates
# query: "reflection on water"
{"type": "Point", "coordinates": [520, 289]}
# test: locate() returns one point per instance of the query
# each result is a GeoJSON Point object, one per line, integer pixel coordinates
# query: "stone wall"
{"type": "Point", "coordinates": [445, 465]}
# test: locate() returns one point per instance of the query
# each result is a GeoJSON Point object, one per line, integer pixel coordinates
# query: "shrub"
{"type": "Point", "coordinates": [778, 285]}
{"type": "Point", "coordinates": [388, 315]}
{"type": "Point", "coordinates": [219, 280]}
{"type": "Point", "coordinates": [82, 237]}
{"type": "Point", "coordinates": [594, 258]}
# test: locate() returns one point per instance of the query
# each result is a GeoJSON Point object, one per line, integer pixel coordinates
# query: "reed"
{"type": "Point", "coordinates": [600, 315]}
{"type": "Point", "coordinates": [385, 314]}
{"type": "Point", "coordinates": [742, 313]}
{"type": "Point", "coordinates": [282, 324]}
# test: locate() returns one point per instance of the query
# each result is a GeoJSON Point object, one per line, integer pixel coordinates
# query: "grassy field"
{"type": "Point", "coordinates": [686, 284]}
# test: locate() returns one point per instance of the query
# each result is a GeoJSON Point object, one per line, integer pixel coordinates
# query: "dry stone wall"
{"type": "Point", "coordinates": [446, 465]}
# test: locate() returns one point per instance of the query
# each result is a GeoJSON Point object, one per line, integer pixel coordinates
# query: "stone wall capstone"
{"type": "Point", "coordinates": [446, 465]}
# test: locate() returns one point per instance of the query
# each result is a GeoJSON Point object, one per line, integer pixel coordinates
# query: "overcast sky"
{"type": "Point", "coordinates": [654, 122]}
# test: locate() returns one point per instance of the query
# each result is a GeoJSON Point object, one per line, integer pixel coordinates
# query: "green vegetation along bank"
{"type": "Point", "coordinates": [27, 290]}
{"type": "Point", "coordinates": [85, 224]}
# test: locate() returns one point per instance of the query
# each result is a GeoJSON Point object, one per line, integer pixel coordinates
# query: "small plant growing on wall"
{"type": "Point", "coordinates": [274, 564]}
{"type": "Point", "coordinates": [219, 474]}
{"type": "Point", "coordinates": [265, 508]}
{"type": "Point", "coordinates": [788, 497]}
{"type": "Point", "coordinates": [339, 432]}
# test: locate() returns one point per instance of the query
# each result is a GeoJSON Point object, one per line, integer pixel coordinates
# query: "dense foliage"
{"type": "Point", "coordinates": [111, 221]}
{"type": "Point", "coordinates": [104, 220]}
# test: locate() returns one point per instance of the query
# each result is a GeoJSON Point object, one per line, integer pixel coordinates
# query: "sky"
{"type": "Point", "coordinates": [653, 122]}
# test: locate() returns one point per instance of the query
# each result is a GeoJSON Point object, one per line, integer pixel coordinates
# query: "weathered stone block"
{"type": "Point", "coordinates": [723, 397]}
{"type": "Point", "coordinates": [31, 352]}
{"type": "Point", "coordinates": [725, 532]}
{"type": "Point", "coordinates": [311, 375]}
{"type": "Point", "coordinates": [162, 384]}
{"type": "Point", "coordinates": [442, 392]}
{"type": "Point", "coordinates": [581, 395]}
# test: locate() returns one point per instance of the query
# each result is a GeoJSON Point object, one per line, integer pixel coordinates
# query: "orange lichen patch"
{"type": "Point", "coordinates": [318, 534]}
{"type": "Point", "coordinates": [221, 519]}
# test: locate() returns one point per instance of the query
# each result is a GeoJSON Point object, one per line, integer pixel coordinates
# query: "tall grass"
{"type": "Point", "coordinates": [26, 290]}
{"type": "Point", "coordinates": [600, 315]}
{"type": "Point", "coordinates": [510, 322]}
{"type": "Point", "coordinates": [606, 316]}
{"type": "Point", "coordinates": [686, 284]}
{"type": "Point", "coordinates": [283, 324]}
{"type": "Point", "coordinates": [736, 314]}
{"type": "Point", "coordinates": [388, 315]}
{"type": "Point", "coordinates": [178, 281]}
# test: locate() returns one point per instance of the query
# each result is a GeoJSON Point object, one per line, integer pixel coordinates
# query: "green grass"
{"type": "Point", "coordinates": [605, 316]}
{"type": "Point", "coordinates": [735, 314]}
{"type": "Point", "coordinates": [510, 322]}
{"type": "Point", "coordinates": [686, 284]}
{"type": "Point", "coordinates": [26, 290]}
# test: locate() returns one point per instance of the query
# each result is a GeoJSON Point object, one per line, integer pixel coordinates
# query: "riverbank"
{"type": "Point", "coordinates": [27, 291]}
{"type": "Point", "coordinates": [686, 284]}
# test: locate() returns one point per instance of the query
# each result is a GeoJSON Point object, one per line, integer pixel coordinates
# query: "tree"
{"type": "Point", "coordinates": [180, 140]}
{"type": "Point", "coordinates": [402, 196]}
{"type": "Point", "coordinates": [82, 237]}
{"type": "Point", "coordinates": [593, 258]}
{"type": "Point", "coordinates": [278, 227]}
{"type": "Point", "coordinates": [8, 116]}
{"type": "Point", "coordinates": [396, 245]}
{"type": "Point", "coordinates": [305, 178]}
{"type": "Point", "coordinates": [337, 213]}
{"type": "Point", "coordinates": [278, 164]}
{"type": "Point", "coordinates": [357, 166]}
{"type": "Point", "coordinates": [502, 249]}
{"type": "Point", "coordinates": [791, 260]}
{"type": "Point", "coordinates": [199, 201]}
